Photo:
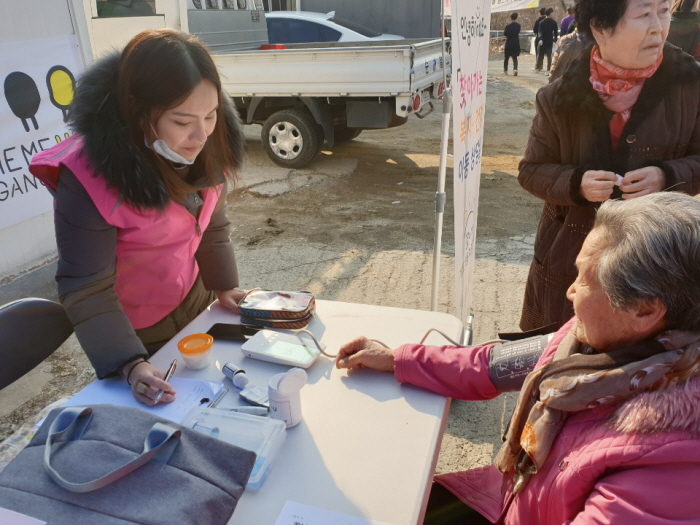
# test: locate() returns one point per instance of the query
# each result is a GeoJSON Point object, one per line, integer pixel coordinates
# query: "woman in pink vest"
{"type": "Point", "coordinates": [607, 424]}
{"type": "Point", "coordinates": [140, 203]}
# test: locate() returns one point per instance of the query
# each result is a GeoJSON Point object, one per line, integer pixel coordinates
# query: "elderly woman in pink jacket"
{"type": "Point", "coordinates": [607, 425]}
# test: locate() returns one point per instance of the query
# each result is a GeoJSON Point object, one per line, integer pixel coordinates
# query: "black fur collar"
{"type": "Point", "coordinates": [95, 115]}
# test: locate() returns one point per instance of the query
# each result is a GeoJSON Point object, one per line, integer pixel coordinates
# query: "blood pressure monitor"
{"type": "Point", "coordinates": [285, 349]}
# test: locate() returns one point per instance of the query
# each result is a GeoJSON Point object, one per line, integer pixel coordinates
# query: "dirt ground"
{"type": "Point", "coordinates": [357, 225]}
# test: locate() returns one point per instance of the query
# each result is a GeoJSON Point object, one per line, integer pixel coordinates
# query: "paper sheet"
{"type": "Point", "coordinates": [15, 518]}
{"type": "Point", "coordinates": [115, 391]}
{"type": "Point", "coordinates": [294, 513]}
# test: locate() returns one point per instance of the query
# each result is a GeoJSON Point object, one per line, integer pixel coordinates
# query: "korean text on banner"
{"type": "Point", "coordinates": [499, 6]}
{"type": "Point", "coordinates": [470, 48]}
{"type": "Point", "coordinates": [38, 78]}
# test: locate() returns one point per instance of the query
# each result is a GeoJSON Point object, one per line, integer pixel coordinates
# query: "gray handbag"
{"type": "Point", "coordinates": [115, 465]}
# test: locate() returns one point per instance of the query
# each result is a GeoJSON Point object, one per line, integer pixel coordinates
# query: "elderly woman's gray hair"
{"type": "Point", "coordinates": [653, 251]}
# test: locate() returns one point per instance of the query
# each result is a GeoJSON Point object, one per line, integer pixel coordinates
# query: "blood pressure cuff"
{"type": "Point", "coordinates": [511, 362]}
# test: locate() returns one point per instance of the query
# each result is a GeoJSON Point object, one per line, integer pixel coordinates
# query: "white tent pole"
{"type": "Point", "coordinates": [440, 196]}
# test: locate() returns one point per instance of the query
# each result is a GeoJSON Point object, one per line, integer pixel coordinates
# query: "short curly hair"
{"type": "Point", "coordinates": [601, 14]}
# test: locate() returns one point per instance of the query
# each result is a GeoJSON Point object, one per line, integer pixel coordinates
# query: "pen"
{"type": "Point", "coordinates": [218, 397]}
{"type": "Point", "coordinates": [255, 411]}
{"type": "Point", "coordinates": [168, 375]}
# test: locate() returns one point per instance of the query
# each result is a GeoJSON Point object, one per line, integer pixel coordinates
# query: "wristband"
{"type": "Point", "coordinates": [137, 363]}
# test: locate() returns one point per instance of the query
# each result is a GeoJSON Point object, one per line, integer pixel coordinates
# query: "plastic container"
{"type": "Point", "coordinates": [237, 375]}
{"type": "Point", "coordinates": [262, 435]}
{"type": "Point", "coordinates": [284, 395]}
{"type": "Point", "coordinates": [196, 350]}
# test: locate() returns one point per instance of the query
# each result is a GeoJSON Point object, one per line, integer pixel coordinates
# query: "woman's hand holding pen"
{"type": "Point", "coordinates": [146, 381]}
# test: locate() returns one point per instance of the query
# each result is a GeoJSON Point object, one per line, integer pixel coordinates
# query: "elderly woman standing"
{"type": "Point", "coordinates": [607, 425]}
{"type": "Point", "coordinates": [623, 121]}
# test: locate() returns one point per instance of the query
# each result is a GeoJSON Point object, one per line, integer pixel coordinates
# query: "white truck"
{"type": "Point", "coordinates": [301, 94]}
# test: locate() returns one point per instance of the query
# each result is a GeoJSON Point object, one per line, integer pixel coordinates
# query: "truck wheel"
{"type": "Point", "coordinates": [344, 134]}
{"type": "Point", "coordinates": [291, 138]}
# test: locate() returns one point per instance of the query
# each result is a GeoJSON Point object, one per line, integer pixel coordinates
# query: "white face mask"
{"type": "Point", "coordinates": [162, 149]}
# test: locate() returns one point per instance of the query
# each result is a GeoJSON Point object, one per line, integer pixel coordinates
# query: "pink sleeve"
{"type": "Point", "coordinates": [462, 373]}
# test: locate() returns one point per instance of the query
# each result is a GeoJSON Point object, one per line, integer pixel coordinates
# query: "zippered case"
{"type": "Point", "coordinates": [277, 309]}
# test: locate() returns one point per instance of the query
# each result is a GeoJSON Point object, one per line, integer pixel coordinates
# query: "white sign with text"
{"type": "Point", "coordinates": [38, 78]}
{"type": "Point", "coordinates": [471, 20]}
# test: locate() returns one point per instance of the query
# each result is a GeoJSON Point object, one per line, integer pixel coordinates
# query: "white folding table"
{"type": "Point", "coordinates": [367, 445]}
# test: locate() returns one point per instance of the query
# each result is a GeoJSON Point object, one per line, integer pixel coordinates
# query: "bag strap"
{"type": "Point", "coordinates": [71, 424]}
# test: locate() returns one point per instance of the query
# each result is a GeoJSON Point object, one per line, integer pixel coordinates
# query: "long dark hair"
{"type": "Point", "coordinates": [158, 70]}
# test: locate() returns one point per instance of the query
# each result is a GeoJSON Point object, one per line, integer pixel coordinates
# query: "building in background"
{"type": "Point", "coordinates": [410, 18]}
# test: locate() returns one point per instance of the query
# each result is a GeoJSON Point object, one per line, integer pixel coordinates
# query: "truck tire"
{"type": "Point", "coordinates": [344, 134]}
{"type": "Point", "coordinates": [291, 138]}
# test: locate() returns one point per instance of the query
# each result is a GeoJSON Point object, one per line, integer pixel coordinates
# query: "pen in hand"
{"type": "Point", "coordinates": [168, 375]}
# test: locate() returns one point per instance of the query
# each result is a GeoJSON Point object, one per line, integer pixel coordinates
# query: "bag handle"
{"type": "Point", "coordinates": [71, 424]}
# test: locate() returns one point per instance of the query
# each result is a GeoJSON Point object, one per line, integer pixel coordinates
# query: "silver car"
{"type": "Point", "coordinates": [297, 27]}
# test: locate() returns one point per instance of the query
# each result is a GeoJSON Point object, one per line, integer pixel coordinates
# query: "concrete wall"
{"type": "Point", "coordinates": [409, 18]}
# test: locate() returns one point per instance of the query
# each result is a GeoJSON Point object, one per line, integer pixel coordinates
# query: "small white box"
{"type": "Point", "coordinates": [262, 435]}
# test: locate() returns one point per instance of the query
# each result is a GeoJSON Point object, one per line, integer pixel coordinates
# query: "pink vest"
{"type": "Point", "coordinates": [155, 265]}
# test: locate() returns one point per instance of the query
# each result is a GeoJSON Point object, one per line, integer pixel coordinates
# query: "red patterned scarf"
{"type": "Point", "coordinates": [618, 88]}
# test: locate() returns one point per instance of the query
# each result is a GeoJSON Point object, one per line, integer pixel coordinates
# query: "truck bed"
{"type": "Point", "coordinates": [367, 69]}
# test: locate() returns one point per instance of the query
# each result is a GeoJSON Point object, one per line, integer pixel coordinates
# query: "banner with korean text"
{"type": "Point", "coordinates": [499, 6]}
{"type": "Point", "coordinates": [38, 78]}
{"type": "Point", "coordinates": [471, 20]}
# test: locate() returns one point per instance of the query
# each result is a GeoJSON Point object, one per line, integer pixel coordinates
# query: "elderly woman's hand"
{"type": "Point", "coordinates": [597, 185]}
{"type": "Point", "coordinates": [642, 182]}
{"type": "Point", "coordinates": [365, 353]}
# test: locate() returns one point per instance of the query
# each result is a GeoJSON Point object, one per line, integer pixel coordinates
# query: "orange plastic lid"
{"type": "Point", "coordinates": [195, 343]}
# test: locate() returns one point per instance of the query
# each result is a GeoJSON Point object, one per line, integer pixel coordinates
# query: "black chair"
{"type": "Point", "coordinates": [30, 331]}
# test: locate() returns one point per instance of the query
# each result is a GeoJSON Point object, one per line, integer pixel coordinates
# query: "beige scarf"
{"type": "Point", "coordinates": [575, 381]}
